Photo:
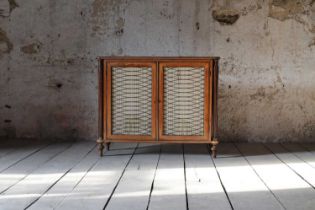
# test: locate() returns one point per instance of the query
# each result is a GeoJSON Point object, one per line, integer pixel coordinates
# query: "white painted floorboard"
{"type": "Point", "coordinates": [55, 195]}
{"type": "Point", "coordinates": [203, 184]}
{"type": "Point", "coordinates": [35, 184]}
{"type": "Point", "coordinates": [20, 170]}
{"type": "Point", "coordinates": [289, 188]}
{"type": "Point", "coordinates": [149, 176]}
{"type": "Point", "coordinates": [5, 151]}
{"type": "Point", "coordinates": [169, 184]}
{"type": "Point", "coordinates": [302, 153]}
{"type": "Point", "coordinates": [134, 188]}
{"type": "Point", "coordinates": [244, 187]}
{"type": "Point", "coordinates": [96, 187]}
{"type": "Point", "coordinates": [16, 156]}
{"type": "Point", "coordinates": [300, 167]}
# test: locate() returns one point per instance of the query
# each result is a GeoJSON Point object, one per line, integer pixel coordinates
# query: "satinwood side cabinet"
{"type": "Point", "coordinates": [158, 99]}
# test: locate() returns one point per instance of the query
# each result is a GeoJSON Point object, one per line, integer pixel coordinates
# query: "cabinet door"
{"type": "Point", "coordinates": [131, 100]}
{"type": "Point", "coordinates": [184, 101]}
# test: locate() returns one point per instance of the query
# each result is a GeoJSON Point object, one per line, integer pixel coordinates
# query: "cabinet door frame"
{"type": "Point", "coordinates": [108, 98]}
{"type": "Point", "coordinates": [207, 101]}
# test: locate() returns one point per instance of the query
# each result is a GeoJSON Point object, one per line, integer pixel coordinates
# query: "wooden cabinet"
{"type": "Point", "coordinates": [158, 99]}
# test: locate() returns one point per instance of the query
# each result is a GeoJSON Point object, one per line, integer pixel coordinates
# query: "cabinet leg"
{"type": "Point", "coordinates": [100, 146]}
{"type": "Point", "coordinates": [214, 144]}
{"type": "Point", "coordinates": [107, 146]}
{"type": "Point", "coordinates": [214, 151]}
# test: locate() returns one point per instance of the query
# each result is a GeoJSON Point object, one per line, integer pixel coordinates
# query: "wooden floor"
{"type": "Point", "coordinates": [167, 177]}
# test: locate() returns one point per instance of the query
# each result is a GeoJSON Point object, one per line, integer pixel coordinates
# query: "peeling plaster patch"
{"type": "Point", "coordinates": [197, 26]}
{"type": "Point", "coordinates": [5, 44]}
{"type": "Point", "coordinates": [61, 62]}
{"type": "Point", "coordinates": [250, 8]}
{"type": "Point", "coordinates": [33, 48]}
{"type": "Point", "coordinates": [13, 5]}
{"type": "Point", "coordinates": [70, 61]}
{"type": "Point", "coordinates": [120, 23]}
{"type": "Point", "coordinates": [82, 14]}
{"type": "Point", "coordinates": [285, 9]}
{"type": "Point", "coordinates": [167, 11]}
{"type": "Point", "coordinates": [266, 28]}
{"type": "Point", "coordinates": [10, 131]}
{"type": "Point", "coordinates": [119, 32]}
{"type": "Point", "coordinates": [260, 94]}
{"type": "Point", "coordinates": [98, 14]}
{"type": "Point", "coordinates": [164, 13]}
{"type": "Point", "coordinates": [100, 11]}
{"type": "Point", "coordinates": [6, 7]}
{"type": "Point", "coordinates": [263, 94]}
{"type": "Point", "coordinates": [120, 51]}
{"type": "Point", "coordinates": [59, 85]}
{"type": "Point", "coordinates": [226, 16]}
{"type": "Point", "coordinates": [309, 130]}
{"type": "Point", "coordinates": [312, 43]}
{"type": "Point", "coordinates": [54, 84]}
{"type": "Point", "coordinates": [98, 7]}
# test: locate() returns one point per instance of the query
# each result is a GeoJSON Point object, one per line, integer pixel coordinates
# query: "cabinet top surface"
{"type": "Point", "coordinates": [156, 58]}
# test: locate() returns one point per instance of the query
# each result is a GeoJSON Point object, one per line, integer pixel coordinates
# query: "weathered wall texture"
{"type": "Point", "coordinates": [48, 67]}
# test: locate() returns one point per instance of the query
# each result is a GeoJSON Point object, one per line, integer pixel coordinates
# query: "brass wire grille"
{"type": "Point", "coordinates": [131, 100]}
{"type": "Point", "coordinates": [183, 101]}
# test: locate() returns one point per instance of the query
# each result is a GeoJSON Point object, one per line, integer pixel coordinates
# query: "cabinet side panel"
{"type": "Point", "coordinates": [100, 99]}
{"type": "Point", "coordinates": [215, 98]}
{"type": "Point", "coordinates": [210, 101]}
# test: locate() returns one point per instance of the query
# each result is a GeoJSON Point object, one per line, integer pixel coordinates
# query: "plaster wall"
{"type": "Point", "coordinates": [48, 66]}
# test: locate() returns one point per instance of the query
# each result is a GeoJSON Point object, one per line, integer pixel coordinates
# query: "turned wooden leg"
{"type": "Point", "coordinates": [107, 146]}
{"type": "Point", "coordinates": [100, 146]}
{"type": "Point", "coordinates": [214, 144]}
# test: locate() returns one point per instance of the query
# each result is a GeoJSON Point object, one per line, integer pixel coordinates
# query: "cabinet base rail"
{"type": "Point", "coordinates": [213, 145]}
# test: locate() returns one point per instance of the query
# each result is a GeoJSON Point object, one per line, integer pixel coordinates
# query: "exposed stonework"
{"type": "Point", "coordinates": [286, 9]}
{"type": "Point", "coordinates": [226, 16]}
